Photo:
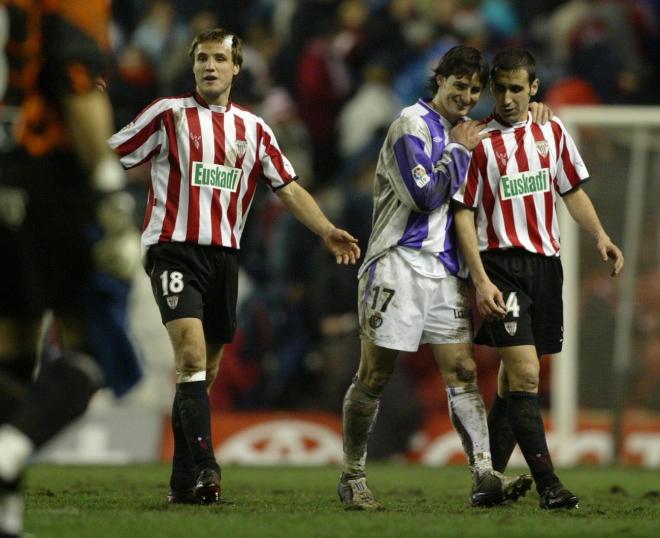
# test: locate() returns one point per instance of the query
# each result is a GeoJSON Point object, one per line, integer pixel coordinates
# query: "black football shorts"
{"type": "Point", "coordinates": [196, 281]}
{"type": "Point", "coordinates": [531, 285]}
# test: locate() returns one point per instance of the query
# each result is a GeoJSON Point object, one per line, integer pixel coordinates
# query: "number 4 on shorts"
{"type": "Point", "coordinates": [512, 304]}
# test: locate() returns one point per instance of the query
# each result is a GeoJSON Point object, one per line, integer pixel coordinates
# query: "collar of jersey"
{"type": "Point", "coordinates": [445, 121]}
{"type": "Point", "coordinates": [501, 121]}
{"type": "Point", "coordinates": [214, 108]}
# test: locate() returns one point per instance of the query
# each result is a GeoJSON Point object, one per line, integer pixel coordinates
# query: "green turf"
{"type": "Point", "coordinates": [117, 502]}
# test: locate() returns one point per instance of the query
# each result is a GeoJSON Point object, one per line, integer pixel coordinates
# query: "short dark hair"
{"type": "Point", "coordinates": [460, 61]}
{"type": "Point", "coordinates": [514, 59]}
{"type": "Point", "coordinates": [217, 35]}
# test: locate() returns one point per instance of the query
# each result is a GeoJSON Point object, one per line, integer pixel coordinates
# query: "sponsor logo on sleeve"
{"type": "Point", "coordinates": [524, 184]}
{"type": "Point", "coordinates": [420, 176]}
{"type": "Point", "coordinates": [215, 176]}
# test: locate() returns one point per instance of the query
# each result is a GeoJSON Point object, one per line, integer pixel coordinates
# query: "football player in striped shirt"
{"type": "Point", "coordinates": [508, 231]}
{"type": "Point", "coordinates": [207, 157]}
{"type": "Point", "coordinates": [413, 282]}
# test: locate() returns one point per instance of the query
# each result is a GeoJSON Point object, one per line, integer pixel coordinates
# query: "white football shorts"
{"type": "Point", "coordinates": [401, 309]}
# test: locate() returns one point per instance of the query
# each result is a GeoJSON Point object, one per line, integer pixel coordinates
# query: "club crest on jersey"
{"type": "Point", "coordinates": [172, 301]}
{"type": "Point", "coordinates": [511, 327]}
{"type": "Point", "coordinates": [241, 148]}
{"type": "Point", "coordinates": [420, 176]}
{"type": "Point", "coordinates": [195, 139]}
{"type": "Point", "coordinates": [375, 321]}
{"type": "Point", "coordinates": [542, 147]}
{"type": "Point", "coordinates": [524, 183]}
{"type": "Point", "coordinates": [215, 176]}
{"type": "Point", "coordinates": [502, 157]}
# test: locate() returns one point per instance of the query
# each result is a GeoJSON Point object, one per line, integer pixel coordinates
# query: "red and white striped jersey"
{"type": "Point", "coordinates": [513, 180]}
{"type": "Point", "coordinates": [205, 163]}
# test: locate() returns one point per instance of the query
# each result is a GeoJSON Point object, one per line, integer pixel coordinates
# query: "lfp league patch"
{"type": "Point", "coordinates": [420, 176]}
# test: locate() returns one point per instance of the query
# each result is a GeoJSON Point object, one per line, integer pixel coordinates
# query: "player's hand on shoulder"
{"type": "Point", "coordinates": [343, 246]}
{"type": "Point", "coordinates": [541, 113]}
{"type": "Point", "coordinates": [468, 133]}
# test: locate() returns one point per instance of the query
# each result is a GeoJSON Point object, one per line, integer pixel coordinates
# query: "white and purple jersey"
{"type": "Point", "coordinates": [418, 172]}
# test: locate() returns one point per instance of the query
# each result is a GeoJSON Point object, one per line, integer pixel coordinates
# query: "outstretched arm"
{"type": "Point", "coordinates": [583, 212]}
{"type": "Point", "coordinates": [342, 244]}
{"type": "Point", "coordinates": [490, 302]}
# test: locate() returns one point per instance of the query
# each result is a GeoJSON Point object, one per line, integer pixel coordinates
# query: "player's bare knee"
{"type": "Point", "coordinates": [525, 382]}
{"type": "Point", "coordinates": [465, 370]}
{"type": "Point", "coordinates": [190, 360]}
{"type": "Point", "coordinates": [377, 378]}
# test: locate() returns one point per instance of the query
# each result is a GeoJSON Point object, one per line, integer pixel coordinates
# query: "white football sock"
{"type": "Point", "coordinates": [360, 410]}
{"type": "Point", "coordinates": [468, 415]}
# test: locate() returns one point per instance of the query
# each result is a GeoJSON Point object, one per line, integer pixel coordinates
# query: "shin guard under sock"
{"type": "Point", "coordinates": [359, 414]}
{"type": "Point", "coordinates": [502, 439]}
{"type": "Point", "coordinates": [468, 415]}
{"type": "Point", "coordinates": [183, 465]}
{"type": "Point", "coordinates": [195, 415]}
{"type": "Point", "coordinates": [524, 414]}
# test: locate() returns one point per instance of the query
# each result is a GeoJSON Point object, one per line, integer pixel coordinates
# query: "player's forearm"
{"type": "Point", "coordinates": [305, 209]}
{"type": "Point", "coordinates": [89, 120]}
{"type": "Point", "coordinates": [467, 241]}
{"type": "Point", "coordinates": [582, 211]}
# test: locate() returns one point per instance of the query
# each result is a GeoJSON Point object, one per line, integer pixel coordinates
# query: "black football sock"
{"type": "Point", "coordinates": [524, 414]}
{"type": "Point", "coordinates": [59, 396]}
{"type": "Point", "coordinates": [195, 414]}
{"type": "Point", "coordinates": [15, 381]}
{"type": "Point", "coordinates": [183, 465]}
{"type": "Point", "coordinates": [502, 439]}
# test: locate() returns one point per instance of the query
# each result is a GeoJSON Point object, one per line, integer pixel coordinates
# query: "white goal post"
{"type": "Point", "coordinates": [639, 122]}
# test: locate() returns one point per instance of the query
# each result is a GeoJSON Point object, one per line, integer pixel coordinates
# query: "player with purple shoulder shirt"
{"type": "Point", "coordinates": [412, 284]}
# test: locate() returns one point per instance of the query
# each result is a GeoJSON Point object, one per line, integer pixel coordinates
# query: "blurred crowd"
{"type": "Point", "coordinates": [329, 76]}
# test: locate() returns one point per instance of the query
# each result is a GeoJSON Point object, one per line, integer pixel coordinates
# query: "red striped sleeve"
{"type": "Point", "coordinates": [173, 181]}
{"type": "Point", "coordinates": [530, 207]}
{"type": "Point", "coordinates": [472, 182]}
{"type": "Point", "coordinates": [219, 158]}
{"type": "Point", "coordinates": [569, 168]}
{"type": "Point", "coordinates": [252, 179]}
{"type": "Point", "coordinates": [139, 138]}
{"type": "Point", "coordinates": [275, 156]}
{"type": "Point", "coordinates": [557, 136]}
{"type": "Point", "coordinates": [502, 158]}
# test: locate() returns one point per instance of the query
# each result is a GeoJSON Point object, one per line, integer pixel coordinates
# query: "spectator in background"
{"type": "Point", "coordinates": [369, 112]}
{"type": "Point", "coordinates": [323, 83]}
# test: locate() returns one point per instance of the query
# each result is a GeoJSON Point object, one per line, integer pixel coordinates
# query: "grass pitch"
{"type": "Point", "coordinates": [118, 502]}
